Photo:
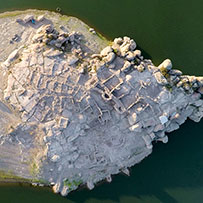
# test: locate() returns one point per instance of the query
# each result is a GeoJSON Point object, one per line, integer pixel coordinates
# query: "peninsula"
{"type": "Point", "coordinates": [75, 108]}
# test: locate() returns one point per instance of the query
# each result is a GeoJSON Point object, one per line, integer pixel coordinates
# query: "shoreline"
{"type": "Point", "coordinates": [88, 108]}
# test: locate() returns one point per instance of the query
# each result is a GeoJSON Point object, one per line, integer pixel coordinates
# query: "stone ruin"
{"type": "Point", "coordinates": [97, 114]}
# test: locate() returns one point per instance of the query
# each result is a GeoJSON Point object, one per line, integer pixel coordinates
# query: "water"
{"type": "Point", "coordinates": [163, 29]}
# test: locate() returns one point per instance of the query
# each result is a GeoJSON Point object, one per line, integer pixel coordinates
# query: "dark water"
{"type": "Point", "coordinates": [163, 29]}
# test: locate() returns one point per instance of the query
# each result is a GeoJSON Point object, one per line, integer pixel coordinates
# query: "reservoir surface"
{"type": "Point", "coordinates": [173, 173]}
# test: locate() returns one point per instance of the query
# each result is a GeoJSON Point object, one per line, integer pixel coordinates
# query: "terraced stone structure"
{"type": "Point", "coordinates": [81, 108]}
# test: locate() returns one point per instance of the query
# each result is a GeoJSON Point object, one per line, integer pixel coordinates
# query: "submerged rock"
{"type": "Point", "coordinates": [78, 111]}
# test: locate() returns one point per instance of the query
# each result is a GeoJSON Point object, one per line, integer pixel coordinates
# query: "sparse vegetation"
{"type": "Point", "coordinates": [16, 13]}
{"type": "Point", "coordinates": [169, 87]}
{"type": "Point", "coordinates": [164, 72]}
{"type": "Point", "coordinates": [64, 18]}
{"type": "Point", "coordinates": [34, 169]}
{"type": "Point", "coordinates": [9, 175]}
{"type": "Point", "coordinates": [72, 184]}
{"type": "Point", "coordinates": [101, 37]}
{"type": "Point", "coordinates": [115, 51]}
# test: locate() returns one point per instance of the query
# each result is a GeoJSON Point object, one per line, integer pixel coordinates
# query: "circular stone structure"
{"type": "Point", "coordinates": [76, 108]}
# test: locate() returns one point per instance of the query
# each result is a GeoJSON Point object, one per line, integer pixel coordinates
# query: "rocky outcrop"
{"type": "Point", "coordinates": [94, 113]}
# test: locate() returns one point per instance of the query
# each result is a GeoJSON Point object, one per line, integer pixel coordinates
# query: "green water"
{"type": "Point", "coordinates": [162, 29]}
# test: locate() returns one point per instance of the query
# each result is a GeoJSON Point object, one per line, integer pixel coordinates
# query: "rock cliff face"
{"type": "Point", "coordinates": [81, 108]}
